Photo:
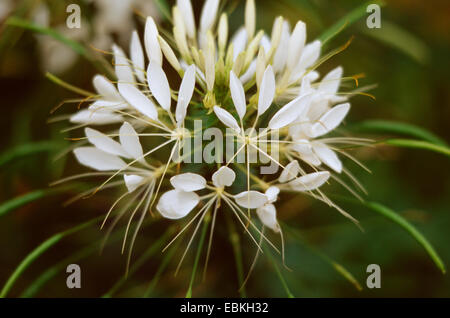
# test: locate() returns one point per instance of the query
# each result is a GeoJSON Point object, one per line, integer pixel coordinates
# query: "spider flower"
{"type": "Point", "coordinates": [259, 89]}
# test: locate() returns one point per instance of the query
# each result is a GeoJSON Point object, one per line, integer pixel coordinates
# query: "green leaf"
{"type": "Point", "coordinates": [79, 48]}
{"type": "Point", "coordinates": [197, 256]}
{"type": "Point", "coordinates": [68, 86]}
{"type": "Point", "coordinates": [163, 265]}
{"type": "Point", "coordinates": [155, 247]}
{"type": "Point", "coordinates": [26, 150]}
{"type": "Point", "coordinates": [237, 251]}
{"type": "Point", "coordinates": [38, 251]}
{"type": "Point", "coordinates": [164, 8]}
{"type": "Point", "coordinates": [22, 23]}
{"type": "Point", "coordinates": [386, 126]}
{"type": "Point", "coordinates": [279, 274]}
{"type": "Point", "coordinates": [401, 40]}
{"type": "Point", "coordinates": [402, 222]}
{"type": "Point", "coordinates": [22, 200]}
{"type": "Point", "coordinates": [417, 144]}
{"type": "Point", "coordinates": [50, 273]}
{"type": "Point", "coordinates": [336, 266]}
{"type": "Point", "coordinates": [350, 18]}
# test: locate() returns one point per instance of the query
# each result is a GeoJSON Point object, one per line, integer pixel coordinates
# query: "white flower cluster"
{"type": "Point", "coordinates": [252, 81]}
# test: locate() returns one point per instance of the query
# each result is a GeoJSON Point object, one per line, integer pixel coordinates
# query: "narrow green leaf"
{"type": "Point", "coordinates": [22, 23]}
{"type": "Point", "coordinates": [68, 86]}
{"type": "Point", "coordinates": [38, 251]}
{"type": "Point", "coordinates": [197, 256]}
{"type": "Point", "coordinates": [402, 222]}
{"type": "Point", "coordinates": [279, 274]}
{"type": "Point", "coordinates": [164, 8]}
{"type": "Point", "coordinates": [401, 40]}
{"type": "Point", "coordinates": [50, 273]}
{"type": "Point", "coordinates": [418, 144]}
{"type": "Point", "coordinates": [394, 127]}
{"type": "Point", "coordinates": [336, 266]}
{"type": "Point", "coordinates": [27, 149]}
{"type": "Point", "coordinates": [237, 251]}
{"type": "Point", "coordinates": [162, 267]}
{"type": "Point", "coordinates": [79, 48]}
{"type": "Point", "coordinates": [22, 200]}
{"type": "Point", "coordinates": [155, 247]}
{"type": "Point", "coordinates": [350, 18]}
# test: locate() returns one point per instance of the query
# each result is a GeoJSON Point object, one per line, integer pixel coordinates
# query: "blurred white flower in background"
{"type": "Point", "coordinates": [112, 21]}
{"type": "Point", "coordinates": [6, 6]}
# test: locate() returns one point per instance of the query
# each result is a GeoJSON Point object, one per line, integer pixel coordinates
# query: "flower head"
{"type": "Point", "coordinates": [260, 89]}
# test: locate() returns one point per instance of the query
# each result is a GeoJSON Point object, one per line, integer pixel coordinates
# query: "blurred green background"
{"type": "Point", "coordinates": [408, 61]}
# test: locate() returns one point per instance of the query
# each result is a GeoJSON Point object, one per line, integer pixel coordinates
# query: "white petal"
{"type": "Point", "coordinates": [265, 43]}
{"type": "Point", "coordinates": [152, 46]}
{"type": "Point", "coordinates": [305, 150]}
{"type": "Point", "coordinates": [319, 106]}
{"type": "Point", "coordinates": [159, 85]}
{"type": "Point", "coordinates": [176, 204]}
{"type": "Point", "coordinates": [300, 129]}
{"type": "Point", "coordinates": [95, 118]}
{"type": "Point", "coordinates": [185, 94]}
{"type": "Point", "coordinates": [290, 112]}
{"type": "Point", "coordinates": [238, 95]}
{"type": "Point", "coordinates": [188, 182]}
{"type": "Point", "coordinates": [132, 182]}
{"type": "Point", "coordinates": [290, 172]}
{"type": "Point", "coordinates": [250, 17]}
{"type": "Point", "coordinates": [106, 89]}
{"type": "Point", "coordinates": [310, 55]}
{"type": "Point", "coordinates": [296, 44]}
{"type": "Point", "coordinates": [251, 199]}
{"type": "Point", "coordinates": [187, 13]}
{"type": "Point", "coordinates": [330, 120]}
{"type": "Point", "coordinates": [99, 160]}
{"type": "Point", "coordinates": [130, 141]}
{"type": "Point", "coordinates": [328, 157]}
{"type": "Point", "coordinates": [209, 13]}
{"type": "Point", "coordinates": [210, 62]}
{"type": "Point", "coordinates": [272, 194]}
{"type": "Point", "coordinates": [280, 58]}
{"type": "Point", "coordinates": [224, 177]}
{"type": "Point", "coordinates": [239, 42]}
{"type": "Point", "coordinates": [266, 91]}
{"type": "Point", "coordinates": [306, 87]}
{"type": "Point", "coordinates": [137, 56]}
{"type": "Point", "coordinates": [268, 216]}
{"type": "Point", "coordinates": [138, 100]}
{"type": "Point", "coordinates": [310, 181]}
{"type": "Point", "coordinates": [249, 73]}
{"type": "Point", "coordinates": [313, 76]}
{"type": "Point", "coordinates": [105, 143]}
{"type": "Point", "coordinates": [330, 83]}
{"type": "Point", "coordinates": [108, 106]}
{"type": "Point", "coordinates": [226, 118]}
{"type": "Point", "coordinates": [123, 69]}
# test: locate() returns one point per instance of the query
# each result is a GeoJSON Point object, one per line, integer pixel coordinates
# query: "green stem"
{"type": "Point", "coordinates": [237, 251]}
{"type": "Point", "coordinates": [197, 256]}
{"type": "Point", "coordinates": [68, 86]}
{"type": "Point", "coordinates": [161, 269]}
